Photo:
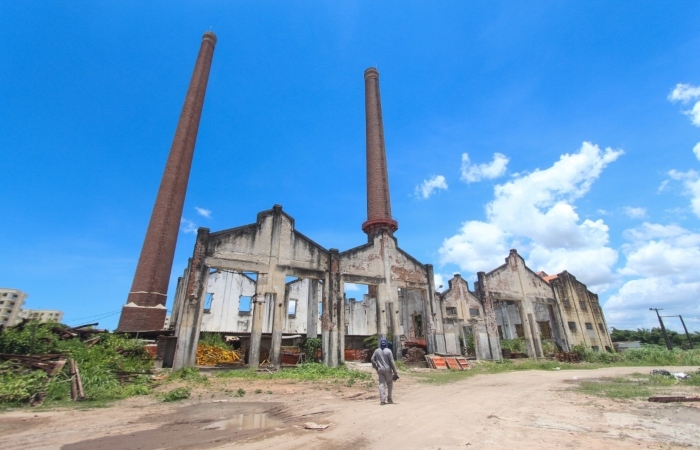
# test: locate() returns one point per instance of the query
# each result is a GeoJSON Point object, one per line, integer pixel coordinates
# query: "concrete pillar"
{"type": "Point", "coordinates": [341, 323]}
{"type": "Point", "coordinates": [329, 321]}
{"type": "Point", "coordinates": [436, 338]}
{"type": "Point", "coordinates": [258, 310]}
{"type": "Point", "coordinates": [489, 317]}
{"type": "Point", "coordinates": [190, 320]}
{"type": "Point", "coordinates": [145, 305]}
{"type": "Point", "coordinates": [312, 310]}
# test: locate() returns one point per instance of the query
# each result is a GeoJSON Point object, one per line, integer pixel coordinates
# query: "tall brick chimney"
{"type": "Point", "coordinates": [378, 201]}
{"type": "Point", "coordinates": [145, 306]}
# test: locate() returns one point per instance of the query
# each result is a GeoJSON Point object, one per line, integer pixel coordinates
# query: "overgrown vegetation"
{"type": "Point", "coordinates": [514, 345]}
{"type": "Point", "coordinates": [654, 337]}
{"type": "Point", "coordinates": [310, 348]}
{"type": "Point", "coordinates": [190, 374]}
{"type": "Point", "coordinates": [310, 372]}
{"type": "Point", "coordinates": [100, 365]}
{"type": "Point", "coordinates": [213, 340]}
{"type": "Point", "coordinates": [634, 386]}
{"type": "Point", "coordinates": [651, 357]}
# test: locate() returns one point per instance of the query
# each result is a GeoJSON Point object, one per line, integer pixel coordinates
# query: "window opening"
{"type": "Point", "coordinates": [244, 305]}
{"type": "Point", "coordinates": [292, 309]}
{"type": "Point", "coordinates": [572, 326]}
{"type": "Point", "coordinates": [474, 312]}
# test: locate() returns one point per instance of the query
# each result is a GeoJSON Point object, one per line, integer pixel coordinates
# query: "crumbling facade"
{"type": "Point", "coordinates": [255, 262]}
{"type": "Point", "coordinates": [266, 282]}
{"type": "Point", "coordinates": [584, 323]}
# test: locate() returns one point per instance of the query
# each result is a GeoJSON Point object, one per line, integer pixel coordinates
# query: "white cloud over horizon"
{"type": "Point", "coordinates": [535, 213]}
{"type": "Point", "coordinates": [472, 173]}
{"type": "Point", "coordinates": [663, 259]}
{"type": "Point", "coordinates": [429, 186]}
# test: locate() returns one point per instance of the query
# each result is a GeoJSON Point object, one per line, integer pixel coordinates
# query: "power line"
{"type": "Point", "coordinates": [95, 316]}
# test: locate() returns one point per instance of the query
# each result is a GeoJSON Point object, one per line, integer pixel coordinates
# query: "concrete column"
{"type": "Point", "coordinates": [329, 321]}
{"type": "Point", "coordinates": [312, 310]}
{"type": "Point", "coordinates": [341, 323]}
{"type": "Point", "coordinates": [489, 317]}
{"type": "Point", "coordinates": [192, 309]}
{"type": "Point", "coordinates": [258, 310]}
{"type": "Point", "coordinates": [434, 312]}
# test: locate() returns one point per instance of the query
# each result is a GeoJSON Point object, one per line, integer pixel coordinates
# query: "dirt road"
{"type": "Point", "coordinates": [523, 410]}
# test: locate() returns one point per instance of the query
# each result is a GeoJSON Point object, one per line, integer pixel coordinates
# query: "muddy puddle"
{"type": "Point", "coordinates": [255, 421]}
{"type": "Point", "coordinates": [199, 426]}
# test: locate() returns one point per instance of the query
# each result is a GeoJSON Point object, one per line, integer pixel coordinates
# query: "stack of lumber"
{"type": "Point", "coordinates": [211, 356]}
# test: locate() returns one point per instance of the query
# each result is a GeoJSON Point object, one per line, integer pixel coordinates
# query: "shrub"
{"type": "Point", "coordinates": [177, 394]}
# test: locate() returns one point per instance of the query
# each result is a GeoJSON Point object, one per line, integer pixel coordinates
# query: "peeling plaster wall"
{"type": "Point", "coordinates": [361, 316]}
{"type": "Point", "coordinates": [515, 282]}
{"type": "Point", "coordinates": [224, 315]}
{"type": "Point", "coordinates": [581, 307]}
{"type": "Point", "coordinates": [458, 320]}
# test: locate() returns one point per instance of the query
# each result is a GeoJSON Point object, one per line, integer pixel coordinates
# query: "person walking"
{"type": "Point", "coordinates": [383, 361]}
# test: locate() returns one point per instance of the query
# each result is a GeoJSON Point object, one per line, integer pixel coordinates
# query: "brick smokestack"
{"type": "Point", "coordinates": [378, 201]}
{"type": "Point", "coordinates": [145, 306]}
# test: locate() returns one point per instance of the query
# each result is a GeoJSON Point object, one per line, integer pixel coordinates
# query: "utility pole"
{"type": "Point", "coordinates": [663, 328]}
{"type": "Point", "coordinates": [690, 341]}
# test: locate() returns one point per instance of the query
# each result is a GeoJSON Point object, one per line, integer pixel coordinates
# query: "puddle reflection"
{"type": "Point", "coordinates": [244, 422]}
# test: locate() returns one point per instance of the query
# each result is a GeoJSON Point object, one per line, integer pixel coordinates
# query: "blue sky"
{"type": "Point", "coordinates": [579, 141]}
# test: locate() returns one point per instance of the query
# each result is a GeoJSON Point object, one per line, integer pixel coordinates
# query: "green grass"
{"type": "Point", "coordinates": [176, 394]}
{"type": "Point", "coordinates": [636, 385]}
{"type": "Point", "coordinates": [311, 372]}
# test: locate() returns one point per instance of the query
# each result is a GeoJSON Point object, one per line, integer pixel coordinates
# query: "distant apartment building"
{"type": "Point", "coordinates": [42, 315]}
{"type": "Point", "coordinates": [11, 301]}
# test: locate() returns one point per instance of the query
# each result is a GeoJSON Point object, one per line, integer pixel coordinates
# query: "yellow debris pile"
{"type": "Point", "coordinates": [210, 356]}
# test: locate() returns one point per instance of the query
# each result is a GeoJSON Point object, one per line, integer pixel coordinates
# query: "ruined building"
{"type": "Point", "coordinates": [257, 260]}
{"type": "Point", "coordinates": [267, 283]}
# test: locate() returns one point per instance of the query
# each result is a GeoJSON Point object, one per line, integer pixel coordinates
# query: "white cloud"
{"type": "Point", "coordinates": [635, 212]}
{"type": "Point", "coordinates": [428, 187]}
{"type": "Point", "coordinates": [684, 93]}
{"type": "Point", "coordinates": [696, 150]}
{"type": "Point", "coordinates": [203, 212]}
{"type": "Point", "coordinates": [472, 172]}
{"type": "Point", "coordinates": [691, 185]}
{"type": "Point", "coordinates": [187, 226]}
{"type": "Point", "coordinates": [351, 287]}
{"type": "Point", "coordinates": [664, 258]}
{"type": "Point", "coordinates": [535, 213]}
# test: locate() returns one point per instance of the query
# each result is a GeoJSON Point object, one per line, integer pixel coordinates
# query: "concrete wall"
{"type": "Point", "coordinates": [361, 316]}
{"type": "Point", "coordinates": [512, 295]}
{"type": "Point", "coordinates": [581, 308]}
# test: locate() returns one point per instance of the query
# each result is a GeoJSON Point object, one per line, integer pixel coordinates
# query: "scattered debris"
{"type": "Point", "coordinates": [674, 399]}
{"type": "Point", "coordinates": [316, 426]}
